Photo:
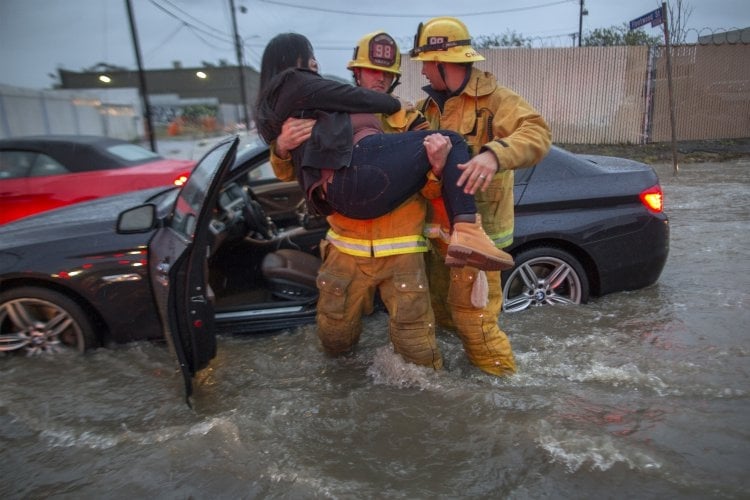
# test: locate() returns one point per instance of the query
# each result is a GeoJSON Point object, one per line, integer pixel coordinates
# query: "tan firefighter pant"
{"type": "Point", "coordinates": [347, 287]}
{"type": "Point", "coordinates": [486, 345]}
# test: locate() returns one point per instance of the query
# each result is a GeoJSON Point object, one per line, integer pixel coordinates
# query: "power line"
{"type": "Point", "coordinates": [168, 38]}
{"type": "Point", "coordinates": [422, 15]}
{"type": "Point", "coordinates": [221, 36]}
{"type": "Point", "coordinates": [193, 17]}
{"type": "Point", "coordinates": [197, 32]}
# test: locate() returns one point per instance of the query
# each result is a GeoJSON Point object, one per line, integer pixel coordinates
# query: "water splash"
{"type": "Point", "coordinates": [575, 450]}
{"type": "Point", "coordinates": [389, 368]}
{"type": "Point", "coordinates": [68, 438]}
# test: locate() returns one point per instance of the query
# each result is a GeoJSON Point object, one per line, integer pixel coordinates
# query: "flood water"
{"type": "Point", "coordinates": [642, 394]}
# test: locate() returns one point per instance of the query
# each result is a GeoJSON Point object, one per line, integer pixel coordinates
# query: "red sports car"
{"type": "Point", "coordinates": [45, 172]}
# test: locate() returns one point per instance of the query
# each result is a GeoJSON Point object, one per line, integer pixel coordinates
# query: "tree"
{"type": "Point", "coordinates": [678, 14]}
{"type": "Point", "coordinates": [618, 35]}
{"type": "Point", "coordinates": [507, 39]}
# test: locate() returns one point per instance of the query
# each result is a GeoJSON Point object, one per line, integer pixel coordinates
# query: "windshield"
{"type": "Point", "coordinates": [132, 153]}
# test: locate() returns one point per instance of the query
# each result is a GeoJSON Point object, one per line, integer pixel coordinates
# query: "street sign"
{"type": "Point", "coordinates": [654, 17]}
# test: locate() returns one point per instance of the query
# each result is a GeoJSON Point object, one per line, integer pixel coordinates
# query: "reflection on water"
{"type": "Point", "coordinates": [641, 394]}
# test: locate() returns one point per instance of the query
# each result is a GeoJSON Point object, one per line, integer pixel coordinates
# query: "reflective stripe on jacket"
{"type": "Point", "coordinates": [395, 233]}
{"type": "Point", "coordinates": [383, 247]}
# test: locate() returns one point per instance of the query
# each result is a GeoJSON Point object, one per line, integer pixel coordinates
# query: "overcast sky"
{"type": "Point", "coordinates": [39, 36]}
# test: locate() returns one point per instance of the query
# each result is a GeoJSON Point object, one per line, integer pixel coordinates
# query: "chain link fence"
{"type": "Point", "coordinates": [613, 95]}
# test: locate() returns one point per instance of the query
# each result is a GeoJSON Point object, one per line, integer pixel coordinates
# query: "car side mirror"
{"type": "Point", "coordinates": [140, 219]}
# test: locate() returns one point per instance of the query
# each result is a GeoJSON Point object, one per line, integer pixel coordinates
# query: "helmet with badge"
{"type": "Point", "coordinates": [377, 51]}
{"type": "Point", "coordinates": [444, 39]}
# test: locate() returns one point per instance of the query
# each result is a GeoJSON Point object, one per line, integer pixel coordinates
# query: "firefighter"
{"type": "Point", "coordinates": [385, 254]}
{"type": "Point", "coordinates": [504, 133]}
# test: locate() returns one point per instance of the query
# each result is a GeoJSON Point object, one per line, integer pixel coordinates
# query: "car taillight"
{"type": "Point", "coordinates": [181, 179]}
{"type": "Point", "coordinates": [653, 199]}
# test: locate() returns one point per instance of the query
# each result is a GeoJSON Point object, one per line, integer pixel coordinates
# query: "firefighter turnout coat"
{"type": "Point", "coordinates": [491, 118]}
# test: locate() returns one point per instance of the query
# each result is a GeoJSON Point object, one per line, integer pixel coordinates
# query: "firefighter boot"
{"type": "Point", "coordinates": [471, 246]}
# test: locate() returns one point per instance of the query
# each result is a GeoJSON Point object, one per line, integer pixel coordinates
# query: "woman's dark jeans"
{"type": "Point", "coordinates": [387, 169]}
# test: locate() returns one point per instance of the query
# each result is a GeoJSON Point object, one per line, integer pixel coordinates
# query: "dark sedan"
{"type": "Point", "coordinates": [585, 225]}
{"type": "Point", "coordinates": [40, 173]}
{"type": "Point", "coordinates": [235, 251]}
{"type": "Point", "coordinates": [78, 267]}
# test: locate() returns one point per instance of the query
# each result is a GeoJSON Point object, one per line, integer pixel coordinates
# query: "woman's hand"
{"type": "Point", "coordinates": [437, 147]}
{"type": "Point", "coordinates": [294, 132]}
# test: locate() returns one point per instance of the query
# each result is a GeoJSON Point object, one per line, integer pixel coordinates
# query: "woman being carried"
{"type": "Point", "coordinates": [349, 166]}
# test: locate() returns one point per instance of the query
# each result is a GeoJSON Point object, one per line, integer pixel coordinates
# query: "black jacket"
{"type": "Point", "coordinates": [302, 93]}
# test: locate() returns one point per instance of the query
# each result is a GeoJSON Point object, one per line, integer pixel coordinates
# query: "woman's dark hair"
{"type": "Point", "coordinates": [284, 51]}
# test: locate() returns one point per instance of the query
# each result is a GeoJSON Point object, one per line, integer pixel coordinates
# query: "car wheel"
{"type": "Point", "coordinates": [544, 276]}
{"type": "Point", "coordinates": [37, 321]}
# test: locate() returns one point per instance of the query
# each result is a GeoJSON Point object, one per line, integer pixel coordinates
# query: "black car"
{"type": "Point", "coordinates": [236, 251]}
{"type": "Point", "coordinates": [585, 225]}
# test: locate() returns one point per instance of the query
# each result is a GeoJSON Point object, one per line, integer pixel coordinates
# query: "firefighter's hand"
{"type": "Point", "coordinates": [477, 172]}
{"type": "Point", "coordinates": [294, 132]}
{"type": "Point", "coordinates": [437, 147]}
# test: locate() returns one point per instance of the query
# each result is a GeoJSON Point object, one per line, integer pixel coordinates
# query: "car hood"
{"type": "Point", "coordinates": [75, 221]}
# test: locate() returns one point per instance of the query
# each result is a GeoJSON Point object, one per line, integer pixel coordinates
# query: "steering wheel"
{"type": "Point", "coordinates": [239, 214]}
{"type": "Point", "coordinates": [256, 220]}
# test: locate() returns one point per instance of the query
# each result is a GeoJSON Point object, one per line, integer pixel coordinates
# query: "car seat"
{"type": "Point", "coordinates": [290, 274]}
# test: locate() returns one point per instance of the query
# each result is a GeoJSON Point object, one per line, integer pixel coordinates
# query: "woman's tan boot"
{"type": "Point", "coordinates": [470, 246]}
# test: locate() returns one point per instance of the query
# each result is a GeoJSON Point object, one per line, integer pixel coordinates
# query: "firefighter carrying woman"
{"type": "Point", "coordinates": [383, 254]}
{"type": "Point", "coordinates": [386, 253]}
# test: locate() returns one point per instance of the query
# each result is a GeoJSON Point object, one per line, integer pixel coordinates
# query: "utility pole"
{"type": "Point", "coordinates": [240, 66]}
{"type": "Point", "coordinates": [581, 12]}
{"type": "Point", "coordinates": [672, 120]}
{"type": "Point", "coordinates": [141, 79]}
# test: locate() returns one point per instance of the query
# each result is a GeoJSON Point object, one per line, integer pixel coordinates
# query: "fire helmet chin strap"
{"type": "Point", "coordinates": [441, 70]}
{"type": "Point", "coordinates": [394, 84]}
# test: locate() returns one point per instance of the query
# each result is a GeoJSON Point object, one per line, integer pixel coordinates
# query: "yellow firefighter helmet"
{"type": "Point", "coordinates": [377, 51]}
{"type": "Point", "coordinates": [444, 39]}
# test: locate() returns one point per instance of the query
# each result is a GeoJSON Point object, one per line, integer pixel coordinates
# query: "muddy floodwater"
{"type": "Point", "coordinates": [642, 394]}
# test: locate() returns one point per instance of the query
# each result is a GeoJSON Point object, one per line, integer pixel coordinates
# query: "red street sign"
{"type": "Point", "coordinates": [653, 17]}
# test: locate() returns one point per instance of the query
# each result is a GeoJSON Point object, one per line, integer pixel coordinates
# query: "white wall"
{"type": "Point", "coordinates": [115, 112]}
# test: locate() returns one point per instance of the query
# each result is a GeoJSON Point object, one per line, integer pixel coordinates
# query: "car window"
{"type": "Point", "coordinates": [193, 194]}
{"type": "Point", "coordinates": [17, 164]}
{"type": "Point", "coordinates": [262, 173]}
{"type": "Point", "coordinates": [45, 165]}
{"type": "Point", "coordinates": [132, 153]}
{"type": "Point", "coordinates": [13, 164]}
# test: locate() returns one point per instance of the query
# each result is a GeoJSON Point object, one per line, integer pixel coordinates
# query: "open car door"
{"type": "Point", "coordinates": [179, 268]}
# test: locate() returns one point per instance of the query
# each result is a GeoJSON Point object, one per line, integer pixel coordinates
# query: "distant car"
{"type": "Point", "coordinates": [40, 173]}
{"type": "Point", "coordinates": [236, 251]}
